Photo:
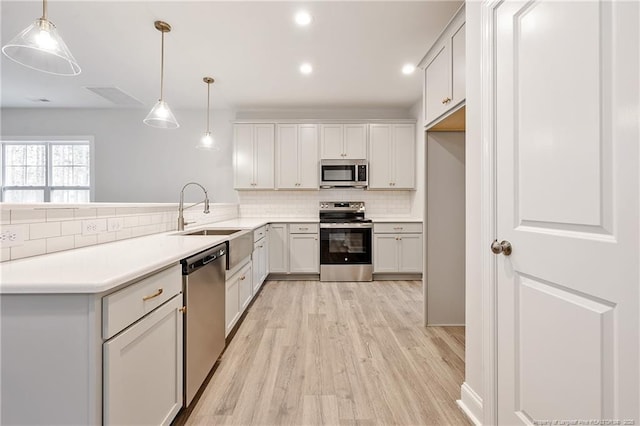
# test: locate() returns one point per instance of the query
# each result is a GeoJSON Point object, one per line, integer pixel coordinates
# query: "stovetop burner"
{"type": "Point", "coordinates": [342, 212]}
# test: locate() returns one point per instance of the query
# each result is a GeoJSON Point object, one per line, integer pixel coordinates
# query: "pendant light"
{"type": "Point", "coordinates": [207, 141]}
{"type": "Point", "coordinates": [160, 115]}
{"type": "Point", "coordinates": [41, 48]}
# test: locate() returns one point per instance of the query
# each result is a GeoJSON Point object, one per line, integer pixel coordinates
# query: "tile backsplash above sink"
{"type": "Point", "coordinates": [32, 230]}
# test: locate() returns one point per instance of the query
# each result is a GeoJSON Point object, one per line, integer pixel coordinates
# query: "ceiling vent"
{"type": "Point", "coordinates": [115, 96]}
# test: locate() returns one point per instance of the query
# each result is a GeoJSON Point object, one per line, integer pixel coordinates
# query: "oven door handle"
{"type": "Point", "coordinates": [346, 225]}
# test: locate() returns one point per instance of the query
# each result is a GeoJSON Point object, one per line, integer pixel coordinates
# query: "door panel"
{"type": "Point", "coordinates": [308, 156]}
{"type": "Point", "coordinates": [557, 115]}
{"type": "Point", "coordinates": [567, 200]}
{"type": "Point", "coordinates": [264, 155]}
{"type": "Point", "coordinates": [437, 84]}
{"type": "Point", "coordinates": [355, 141]}
{"type": "Point", "coordinates": [287, 156]}
{"type": "Point", "coordinates": [404, 156]}
{"type": "Point", "coordinates": [243, 155]}
{"type": "Point", "coordinates": [379, 156]}
{"type": "Point", "coordinates": [331, 145]}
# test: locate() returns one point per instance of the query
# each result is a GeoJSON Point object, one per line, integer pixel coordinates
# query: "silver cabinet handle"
{"type": "Point", "coordinates": [503, 247]}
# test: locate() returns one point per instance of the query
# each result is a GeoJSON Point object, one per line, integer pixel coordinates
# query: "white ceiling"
{"type": "Point", "coordinates": [252, 49]}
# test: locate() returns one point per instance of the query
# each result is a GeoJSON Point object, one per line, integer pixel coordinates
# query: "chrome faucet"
{"type": "Point", "coordinates": [181, 222]}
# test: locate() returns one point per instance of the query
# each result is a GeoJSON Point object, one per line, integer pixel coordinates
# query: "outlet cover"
{"type": "Point", "coordinates": [115, 224]}
{"type": "Point", "coordinates": [94, 226]}
{"type": "Point", "coordinates": [11, 236]}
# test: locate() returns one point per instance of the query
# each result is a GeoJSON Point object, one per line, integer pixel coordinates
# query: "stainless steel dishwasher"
{"type": "Point", "coordinates": [203, 286]}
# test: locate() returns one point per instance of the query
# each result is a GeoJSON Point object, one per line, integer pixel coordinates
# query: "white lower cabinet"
{"type": "Point", "coordinates": [304, 253]}
{"type": "Point", "coordinates": [278, 248]}
{"type": "Point", "coordinates": [260, 248]}
{"type": "Point", "coordinates": [142, 368]}
{"type": "Point", "coordinates": [397, 248]}
{"type": "Point", "coordinates": [239, 292]}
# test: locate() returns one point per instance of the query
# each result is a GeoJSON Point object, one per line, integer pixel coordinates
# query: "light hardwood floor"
{"type": "Point", "coordinates": [318, 353]}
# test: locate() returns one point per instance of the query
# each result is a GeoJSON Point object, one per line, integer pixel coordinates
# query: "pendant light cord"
{"type": "Point", "coordinates": [162, 67]}
{"type": "Point", "coordinates": [208, 104]}
{"type": "Point", "coordinates": [44, 10]}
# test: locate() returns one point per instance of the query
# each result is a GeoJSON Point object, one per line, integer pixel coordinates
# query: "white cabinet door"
{"type": "Point", "coordinates": [278, 248]}
{"type": "Point", "coordinates": [385, 253]}
{"type": "Point", "coordinates": [259, 264]}
{"type": "Point", "coordinates": [231, 304]}
{"type": "Point", "coordinates": [143, 370]}
{"type": "Point", "coordinates": [410, 253]}
{"type": "Point", "coordinates": [392, 159]}
{"type": "Point", "coordinates": [355, 141]}
{"type": "Point", "coordinates": [331, 142]}
{"type": "Point", "coordinates": [566, 198]}
{"type": "Point", "coordinates": [243, 156]}
{"type": "Point", "coordinates": [264, 139]}
{"type": "Point", "coordinates": [287, 156]}
{"type": "Point", "coordinates": [379, 156]}
{"type": "Point", "coordinates": [245, 287]}
{"type": "Point", "coordinates": [403, 156]}
{"type": "Point", "coordinates": [304, 253]}
{"type": "Point", "coordinates": [458, 64]}
{"type": "Point", "coordinates": [437, 93]}
{"type": "Point", "coordinates": [308, 156]}
{"type": "Point", "coordinates": [253, 156]}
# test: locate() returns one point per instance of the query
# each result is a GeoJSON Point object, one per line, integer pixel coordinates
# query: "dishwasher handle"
{"type": "Point", "coordinates": [197, 261]}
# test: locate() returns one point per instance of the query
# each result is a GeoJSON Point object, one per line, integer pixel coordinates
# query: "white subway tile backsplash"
{"type": "Point", "coordinates": [28, 215]}
{"type": "Point", "coordinates": [131, 221]}
{"type": "Point", "coordinates": [29, 248]}
{"type": "Point", "coordinates": [49, 229]}
{"type": "Point", "coordinates": [85, 240]}
{"type": "Point", "coordinates": [106, 237]}
{"type": "Point", "coordinates": [60, 243]}
{"type": "Point", "coordinates": [84, 213]}
{"type": "Point", "coordinates": [57, 215]}
{"type": "Point", "coordinates": [71, 228]}
{"type": "Point", "coordinates": [5, 217]}
{"type": "Point", "coordinates": [44, 230]}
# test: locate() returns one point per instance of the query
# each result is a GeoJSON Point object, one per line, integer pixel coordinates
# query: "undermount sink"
{"type": "Point", "coordinates": [213, 232]}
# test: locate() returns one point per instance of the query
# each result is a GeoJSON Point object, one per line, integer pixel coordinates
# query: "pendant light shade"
{"type": "Point", "coordinates": [160, 115]}
{"type": "Point", "coordinates": [207, 142]}
{"type": "Point", "coordinates": [41, 48]}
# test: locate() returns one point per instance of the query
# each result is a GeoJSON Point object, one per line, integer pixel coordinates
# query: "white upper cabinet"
{"type": "Point", "coordinates": [444, 71]}
{"type": "Point", "coordinates": [297, 153]}
{"type": "Point", "coordinates": [392, 156]}
{"type": "Point", "coordinates": [343, 141]}
{"type": "Point", "coordinates": [253, 156]}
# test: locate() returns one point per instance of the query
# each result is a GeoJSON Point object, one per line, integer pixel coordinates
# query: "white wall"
{"type": "Point", "coordinates": [445, 224]}
{"type": "Point", "coordinates": [418, 203]}
{"type": "Point", "coordinates": [473, 388]}
{"type": "Point", "coordinates": [135, 162]}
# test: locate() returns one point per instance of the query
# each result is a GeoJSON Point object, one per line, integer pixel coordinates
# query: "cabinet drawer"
{"type": "Point", "coordinates": [126, 306]}
{"type": "Point", "coordinates": [259, 233]}
{"type": "Point", "coordinates": [397, 228]}
{"type": "Point", "coordinates": [303, 228]}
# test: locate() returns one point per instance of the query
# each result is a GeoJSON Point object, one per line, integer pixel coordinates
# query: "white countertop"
{"type": "Point", "coordinates": [100, 268]}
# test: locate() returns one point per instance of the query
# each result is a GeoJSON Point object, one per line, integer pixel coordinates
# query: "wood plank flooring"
{"type": "Point", "coordinates": [319, 353]}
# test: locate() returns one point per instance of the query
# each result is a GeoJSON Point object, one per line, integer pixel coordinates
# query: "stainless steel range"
{"type": "Point", "coordinates": [345, 242]}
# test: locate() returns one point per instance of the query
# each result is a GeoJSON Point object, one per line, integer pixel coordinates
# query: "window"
{"type": "Point", "coordinates": [39, 171]}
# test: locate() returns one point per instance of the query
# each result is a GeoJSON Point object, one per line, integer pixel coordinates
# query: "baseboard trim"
{"type": "Point", "coordinates": [384, 276]}
{"type": "Point", "coordinates": [445, 325]}
{"type": "Point", "coordinates": [470, 404]}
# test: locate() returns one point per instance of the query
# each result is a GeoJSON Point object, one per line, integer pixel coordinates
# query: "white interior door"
{"type": "Point", "coordinates": [567, 199]}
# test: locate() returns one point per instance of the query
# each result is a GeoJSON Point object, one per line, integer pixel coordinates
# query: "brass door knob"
{"type": "Point", "coordinates": [503, 247]}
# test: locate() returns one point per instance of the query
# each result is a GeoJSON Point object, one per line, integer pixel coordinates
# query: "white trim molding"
{"type": "Point", "coordinates": [471, 404]}
{"type": "Point", "coordinates": [488, 211]}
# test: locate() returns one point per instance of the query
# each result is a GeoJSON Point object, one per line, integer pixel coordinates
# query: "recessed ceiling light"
{"type": "Point", "coordinates": [408, 69]}
{"type": "Point", "coordinates": [303, 18]}
{"type": "Point", "coordinates": [306, 68]}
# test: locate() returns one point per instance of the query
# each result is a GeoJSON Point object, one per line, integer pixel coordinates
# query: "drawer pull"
{"type": "Point", "coordinates": [303, 229]}
{"type": "Point", "coordinates": [399, 228]}
{"type": "Point", "coordinates": [151, 296]}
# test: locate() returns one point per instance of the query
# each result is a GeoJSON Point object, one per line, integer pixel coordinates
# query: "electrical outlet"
{"type": "Point", "coordinates": [11, 236]}
{"type": "Point", "coordinates": [115, 224]}
{"type": "Point", "coordinates": [94, 226]}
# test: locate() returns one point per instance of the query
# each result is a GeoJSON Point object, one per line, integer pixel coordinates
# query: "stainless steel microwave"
{"type": "Point", "coordinates": [344, 174]}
